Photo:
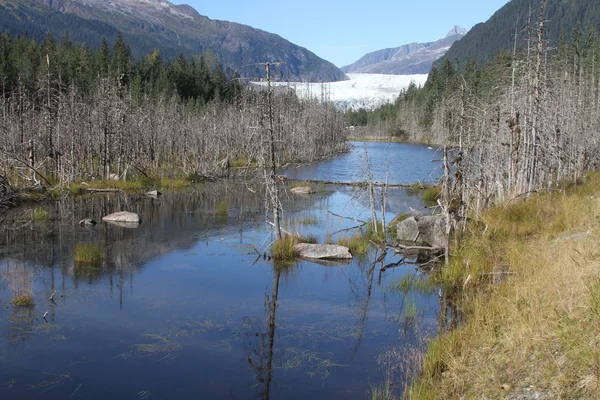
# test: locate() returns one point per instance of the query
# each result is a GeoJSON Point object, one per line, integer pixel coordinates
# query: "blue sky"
{"type": "Point", "coordinates": [343, 31]}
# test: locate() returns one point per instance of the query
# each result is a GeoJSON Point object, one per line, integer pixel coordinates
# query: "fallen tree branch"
{"type": "Point", "coordinates": [28, 166]}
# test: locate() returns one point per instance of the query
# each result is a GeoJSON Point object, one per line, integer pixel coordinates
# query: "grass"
{"type": "Point", "coordinates": [283, 249]}
{"type": "Point", "coordinates": [39, 214]}
{"type": "Point", "coordinates": [221, 208]}
{"type": "Point", "coordinates": [358, 244]}
{"type": "Point", "coordinates": [20, 281]}
{"type": "Point", "coordinates": [135, 185]}
{"type": "Point", "coordinates": [431, 193]}
{"type": "Point", "coordinates": [88, 254]}
{"type": "Point", "coordinates": [531, 306]}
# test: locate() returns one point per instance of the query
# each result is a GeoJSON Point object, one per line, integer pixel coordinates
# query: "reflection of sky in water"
{"type": "Point", "coordinates": [398, 162]}
{"type": "Point", "coordinates": [183, 304]}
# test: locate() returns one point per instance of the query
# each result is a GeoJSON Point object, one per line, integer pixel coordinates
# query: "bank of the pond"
{"type": "Point", "coordinates": [529, 290]}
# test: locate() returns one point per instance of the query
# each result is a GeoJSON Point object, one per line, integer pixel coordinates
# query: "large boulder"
{"type": "Point", "coordinates": [408, 230]}
{"type": "Point", "coordinates": [123, 217]}
{"type": "Point", "coordinates": [432, 230]}
{"type": "Point", "coordinates": [322, 251]}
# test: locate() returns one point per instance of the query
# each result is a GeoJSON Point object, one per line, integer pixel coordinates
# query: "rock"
{"type": "Point", "coordinates": [407, 230]}
{"type": "Point", "coordinates": [114, 177]}
{"type": "Point", "coordinates": [302, 190]}
{"type": "Point", "coordinates": [128, 225]}
{"type": "Point", "coordinates": [87, 222]}
{"type": "Point", "coordinates": [433, 230]}
{"type": "Point", "coordinates": [153, 193]}
{"type": "Point", "coordinates": [123, 216]}
{"type": "Point", "coordinates": [322, 251]}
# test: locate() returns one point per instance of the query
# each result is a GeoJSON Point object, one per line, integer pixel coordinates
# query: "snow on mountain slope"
{"type": "Point", "coordinates": [361, 91]}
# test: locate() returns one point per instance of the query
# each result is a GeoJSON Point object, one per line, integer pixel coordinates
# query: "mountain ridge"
{"type": "Point", "coordinates": [411, 58]}
{"type": "Point", "coordinates": [173, 29]}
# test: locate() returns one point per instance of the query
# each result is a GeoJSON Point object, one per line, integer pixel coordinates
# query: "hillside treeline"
{"type": "Point", "coordinates": [526, 121]}
{"type": "Point", "coordinates": [70, 114]}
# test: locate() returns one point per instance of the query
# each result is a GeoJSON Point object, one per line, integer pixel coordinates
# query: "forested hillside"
{"type": "Point", "coordinates": [521, 123]}
{"type": "Point", "coordinates": [172, 29]}
{"type": "Point", "coordinates": [567, 19]}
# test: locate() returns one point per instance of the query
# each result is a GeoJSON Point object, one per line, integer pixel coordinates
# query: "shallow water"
{"type": "Point", "coordinates": [389, 162]}
{"type": "Point", "coordinates": [185, 305]}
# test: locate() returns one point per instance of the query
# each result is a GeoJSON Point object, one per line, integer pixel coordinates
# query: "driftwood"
{"type": "Point", "coordinates": [357, 184]}
{"type": "Point", "coordinates": [109, 190]}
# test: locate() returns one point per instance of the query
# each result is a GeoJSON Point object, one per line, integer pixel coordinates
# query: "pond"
{"type": "Point", "coordinates": [187, 305]}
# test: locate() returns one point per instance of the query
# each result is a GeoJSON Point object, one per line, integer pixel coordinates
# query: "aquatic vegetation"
{"type": "Point", "coordinates": [39, 214]}
{"type": "Point", "coordinates": [283, 249]}
{"type": "Point", "coordinates": [88, 254]}
{"type": "Point", "coordinates": [50, 382]}
{"type": "Point", "coordinates": [431, 193]}
{"type": "Point", "coordinates": [358, 244]}
{"type": "Point", "coordinates": [20, 281]}
{"type": "Point", "coordinates": [315, 364]}
{"type": "Point", "coordinates": [221, 208]}
{"type": "Point", "coordinates": [162, 346]}
{"type": "Point", "coordinates": [413, 282]}
{"type": "Point", "coordinates": [308, 220]}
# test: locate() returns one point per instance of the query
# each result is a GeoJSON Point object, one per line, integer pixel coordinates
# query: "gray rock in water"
{"type": "Point", "coordinates": [302, 190]}
{"type": "Point", "coordinates": [433, 230]}
{"type": "Point", "coordinates": [322, 251]}
{"type": "Point", "coordinates": [153, 193]}
{"type": "Point", "coordinates": [123, 216]}
{"type": "Point", "coordinates": [87, 222]}
{"type": "Point", "coordinates": [407, 230]}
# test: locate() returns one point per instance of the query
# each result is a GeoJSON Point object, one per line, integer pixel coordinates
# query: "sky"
{"type": "Point", "coordinates": [344, 31]}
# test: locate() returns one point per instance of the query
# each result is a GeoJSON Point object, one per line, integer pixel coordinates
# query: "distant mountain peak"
{"type": "Point", "coordinates": [457, 30]}
{"type": "Point", "coordinates": [413, 58]}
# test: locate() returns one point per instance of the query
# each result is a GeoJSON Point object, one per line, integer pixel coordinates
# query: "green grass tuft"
{"type": "Point", "coordinates": [431, 194]}
{"type": "Point", "coordinates": [88, 254]}
{"type": "Point", "coordinates": [358, 244]}
{"type": "Point", "coordinates": [40, 214]}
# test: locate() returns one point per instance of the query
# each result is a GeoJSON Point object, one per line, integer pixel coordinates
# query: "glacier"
{"type": "Point", "coordinates": [367, 91]}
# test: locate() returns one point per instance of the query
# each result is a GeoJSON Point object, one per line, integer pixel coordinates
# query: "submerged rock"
{"type": "Point", "coordinates": [302, 190]}
{"type": "Point", "coordinates": [322, 251]}
{"type": "Point", "coordinates": [123, 217]}
{"type": "Point", "coordinates": [87, 222]}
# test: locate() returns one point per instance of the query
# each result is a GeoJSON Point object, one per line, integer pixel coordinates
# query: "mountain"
{"type": "Point", "coordinates": [413, 58]}
{"type": "Point", "coordinates": [485, 40]}
{"type": "Point", "coordinates": [173, 29]}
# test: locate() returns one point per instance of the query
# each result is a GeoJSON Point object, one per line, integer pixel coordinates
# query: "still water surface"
{"type": "Point", "coordinates": [184, 307]}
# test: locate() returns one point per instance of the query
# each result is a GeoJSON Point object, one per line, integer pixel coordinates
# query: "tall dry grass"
{"type": "Point", "coordinates": [532, 304]}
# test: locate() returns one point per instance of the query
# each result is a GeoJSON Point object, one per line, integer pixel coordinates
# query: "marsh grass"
{"type": "Point", "coordinates": [88, 254]}
{"type": "Point", "coordinates": [20, 281]}
{"type": "Point", "coordinates": [134, 185]}
{"type": "Point", "coordinates": [532, 305]}
{"type": "Point", "coordinates": [358, 243]}
{"type": "Point", "coordinates": [39, 214]}
{"type": "Point", "coordinates": [283, 249]}
{"type": "Point", "coordinates": [431, 193]}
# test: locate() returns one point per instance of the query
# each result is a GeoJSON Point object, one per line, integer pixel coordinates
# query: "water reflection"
{"type": "Point", "coordinates": [182, 306]}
